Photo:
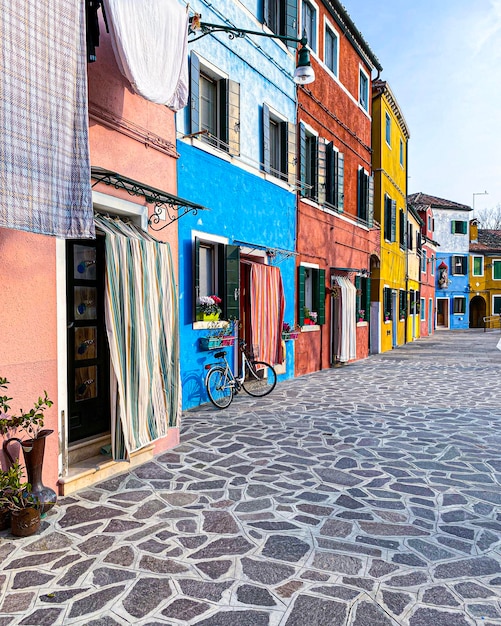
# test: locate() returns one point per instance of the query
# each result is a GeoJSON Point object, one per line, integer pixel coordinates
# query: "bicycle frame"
{"type": "Point", "coordinates": [230, 378]}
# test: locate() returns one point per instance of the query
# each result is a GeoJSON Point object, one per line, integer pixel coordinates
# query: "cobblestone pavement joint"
{"type": "Point", "coordinates": [367, 495]}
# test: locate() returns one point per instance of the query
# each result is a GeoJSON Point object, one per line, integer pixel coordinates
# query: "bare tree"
{"type": "Point", "coordinates": [490, 218]}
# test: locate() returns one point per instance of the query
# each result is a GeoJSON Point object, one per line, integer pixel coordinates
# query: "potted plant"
{"type": "Point", "coordinates": [361, 315]}
{"type": "Point", "coordinates": [17, 497]}
{"type": "Point", "coordinates": [209, 308]}
{"type": "Point", "coordinates": [31, 424]}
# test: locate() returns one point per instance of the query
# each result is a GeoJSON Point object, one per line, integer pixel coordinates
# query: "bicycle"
{"type": "Point", "coordinates": [257, 378]}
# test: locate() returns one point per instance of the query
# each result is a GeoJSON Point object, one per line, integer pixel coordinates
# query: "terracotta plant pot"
{"type": "Point", "coordinates": [33, 452]}
{"type": "Point", "coordinates": [25, 522]}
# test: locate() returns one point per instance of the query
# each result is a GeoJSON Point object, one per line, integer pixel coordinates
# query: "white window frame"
{"type": "Point", "coordinates": [494, 298]}
{"type": "Point", "coordinates": [367, 77]}
{"type": "Point", "coordinates": [387, 129]}
{"type": "Point", "coordinates": [424, 261]}
{"type": "Point", "coordinates": [457, 298]}
{"type": "Point", "coordinates": [477, 256]}
{"type": "Point", "coordinates": [494, 261]}
{"type": "Point", "coordinates": [308, 293]}
{"type": "Point", "coordinates": [313, 45]}
{"type": "Point", "coordinates": [432, 262]}
{"type": "Point", "coordinates": [401, 147]}
{"type": "Point", "coordinates": [453, 268]}
{"type": "Point", "coordinates": [328, 26]}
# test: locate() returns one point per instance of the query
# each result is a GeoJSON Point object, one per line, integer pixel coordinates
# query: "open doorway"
{"type": "Point", "coordinates": [478, 308]}
{"type": "Point", "coordinates": [442, 313]}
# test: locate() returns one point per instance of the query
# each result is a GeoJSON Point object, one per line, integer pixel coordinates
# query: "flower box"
{"type": "Point", "coordinates": [207, 317]}
{"type": "Point", "coordinates": [293, 335]}
{"type": "Point", "coordinates": [210, 343]}
{"type": "Point", "coordinates": [227, 341]}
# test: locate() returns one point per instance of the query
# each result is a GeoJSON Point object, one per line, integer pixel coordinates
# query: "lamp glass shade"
{"type": "Point", "coordinates": [304, 74]}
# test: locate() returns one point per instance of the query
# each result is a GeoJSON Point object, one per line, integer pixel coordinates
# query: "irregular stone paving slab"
{"type": "Point", "coordinates": [329, 500]}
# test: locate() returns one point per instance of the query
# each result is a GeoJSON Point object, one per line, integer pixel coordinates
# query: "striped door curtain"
{"type": "Point", "coordinates": [143, 328]}
{"type": "Point", "coordinates": [267, 312]}
{"type": "Point", "coordinates": [346, 332]}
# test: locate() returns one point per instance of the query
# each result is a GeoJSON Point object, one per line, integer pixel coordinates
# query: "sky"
{"type": "Point", "coordinates": [442, 60]}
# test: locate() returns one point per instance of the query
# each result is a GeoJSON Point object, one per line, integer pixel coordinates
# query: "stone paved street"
{"type": "Point", "coordinates": [367, 495]}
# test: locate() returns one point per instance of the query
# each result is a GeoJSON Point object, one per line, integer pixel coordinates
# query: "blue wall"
{"type": "Point", "coordinates": [458, 286]}
{"type": "Point", "coordinates": [245, 207]}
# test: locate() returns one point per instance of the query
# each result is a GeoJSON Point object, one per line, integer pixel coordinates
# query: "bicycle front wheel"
{"type": "Point", "coordinates": [218, 388]}
{"type": "Point", "coordinates": [260, 379]}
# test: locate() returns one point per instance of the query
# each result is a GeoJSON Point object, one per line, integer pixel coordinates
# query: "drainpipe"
{"type": "Point", "coordinates": [407, 246]}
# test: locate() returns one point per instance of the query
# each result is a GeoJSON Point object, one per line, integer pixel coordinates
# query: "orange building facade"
{"type": "Point", "coordinates": [337, 239]}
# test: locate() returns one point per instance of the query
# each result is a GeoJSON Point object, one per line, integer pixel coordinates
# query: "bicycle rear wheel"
{"type": "Point", "coordinates": [218, 388]}
{"type": "Point", "coordinates": [260, 379]}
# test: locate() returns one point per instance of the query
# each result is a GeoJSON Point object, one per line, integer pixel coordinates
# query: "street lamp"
{"type": "Point", "coordinates": [479, 193]}
{"type": "Point", "coordinates": [303, 74]}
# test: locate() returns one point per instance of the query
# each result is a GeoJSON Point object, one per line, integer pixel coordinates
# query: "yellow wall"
{"type": "Point", "coordinates": [389, 178]}
{"type": "Point", "coordinates": [485, 285]}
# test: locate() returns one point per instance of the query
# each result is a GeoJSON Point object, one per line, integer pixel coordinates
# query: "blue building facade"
{"type": "Point", "coordinates": [236, 142]}
{"type": "Point", "coordinates": [451, 231]}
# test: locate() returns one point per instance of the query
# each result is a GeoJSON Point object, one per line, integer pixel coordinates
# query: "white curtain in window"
{"type": "Point", "coordinates": [347, 345]}
{"type": "Point", "coordinates": [150, 41]}
{"type": "Point", "coordinates": [142, 329]}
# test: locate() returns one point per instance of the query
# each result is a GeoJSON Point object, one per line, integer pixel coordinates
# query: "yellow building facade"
{"type": "Point", "coordinates": [389, 301]}
{"type": "Point", "coordinates": [484, 277]}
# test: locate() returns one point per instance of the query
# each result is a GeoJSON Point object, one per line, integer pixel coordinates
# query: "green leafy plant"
{"type": "Point", "coordinates": [14, 493]}
{"type": "Point", "coordinates": [30, 422]}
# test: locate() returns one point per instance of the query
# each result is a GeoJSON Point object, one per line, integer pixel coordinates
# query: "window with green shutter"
{"type": "Point", "coordinates": [216, 271]}
{"type": "Point", "coordinates": [311, 295]}
{"type": "Point", "coordinates": [214, 107]}
{"type": "Point", "coordinates": [279, 146]}
{"type": "Point", "coordinates": [459, 227]}
{"type": "Point", "coordinates": [478, 266]}
{"type": "Point", "coordinates": [496, 269]}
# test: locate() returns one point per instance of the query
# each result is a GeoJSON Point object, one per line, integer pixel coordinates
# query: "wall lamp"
{"type": "Point", "coordinates": [303, 74]}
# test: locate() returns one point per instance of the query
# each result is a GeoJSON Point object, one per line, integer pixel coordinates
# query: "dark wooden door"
{"type": "Point", "coordinates": [88, 353]}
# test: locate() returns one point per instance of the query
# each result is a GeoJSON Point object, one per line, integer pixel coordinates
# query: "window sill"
{"type": "Point", "coordinates": [209, 325]}
{"type": "Point", "coordinates": [362, 323]}
{"type": "Point", "coordinates": [310, 328]}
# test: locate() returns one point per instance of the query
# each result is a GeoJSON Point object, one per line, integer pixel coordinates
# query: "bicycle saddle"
{"type": "Point", "coordinates": [220, 355]}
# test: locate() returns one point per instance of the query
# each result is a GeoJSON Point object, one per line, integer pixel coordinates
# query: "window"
{"type": "Point", "coordinates": [410, 236]}
{"type": "Point", "coordinates": [496, 270]}
{"type": "Point", "coordinates": [478, 266]}
{"type": "Point", "coordinates": [459, 265]}
{"type": "Point", "coordinates": [401, 152]}
{"type": "Point", "coordinates": [496, 305]}
{"type": "Point", "coordinates": [281, 17]}
{"type": "Point", "coordinates": [311, 294]}
{"type": "Point", "coordinates": [402, 228]}
{"type": "Point", "coordinates": [363, 302]}
{"type": "Point", "coordinates": [423, 309]}
{"type": "Point", "coordinates": [459, 227]}
{"type": "Point", "coordinates": [459, 306]}
{"type": "Point", "coordinates": [330, 175]}
{"type": "Point", "coordinates": [387, 127]}
{"type": "Point", "coordinates": [308, 162]}
{"type": "Point", "coordinates": [365, 204]}
{"type": "Point", "coordinates": [387, 304]}
{"type": "Point", "coordinates": [331, 50]}
{"type": "Point", "coordinates": [432, 263]}
{"type": "Point", "coordinates": [430, 228]}
{"type": "Point", "coordinates": [279, 146]}
{"type": "Point", "coordinates": [390, 218]}
{"type": "Point", "coordinates": [216, 272]}
{"type": "Point", "coordinates": [423, 261]}
{"type": "Point", "coordinates": [215, 107]}
{"type": "Point", "coordinates": [309, 23]}
{"type": "Point", "coordinates": [363, 95]}
{"type": "Point", "coordinates": [402, 304]}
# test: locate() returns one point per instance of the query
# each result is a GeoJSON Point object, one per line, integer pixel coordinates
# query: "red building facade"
{"type": "Point", "coordinates": [338, 241]}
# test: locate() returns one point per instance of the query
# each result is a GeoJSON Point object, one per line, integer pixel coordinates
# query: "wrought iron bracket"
{"type": "Point", "coordinates": [168, 207]}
